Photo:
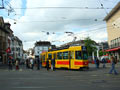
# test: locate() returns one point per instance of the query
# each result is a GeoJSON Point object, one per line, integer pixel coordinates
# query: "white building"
{"type": "Point", "coordinates": [41, 46]}
{"type": "Point", "coordinates": [17, 48]}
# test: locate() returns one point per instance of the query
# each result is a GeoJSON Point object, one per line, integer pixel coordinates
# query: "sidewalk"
{"type": "Point", "coordinates": [3, 66]}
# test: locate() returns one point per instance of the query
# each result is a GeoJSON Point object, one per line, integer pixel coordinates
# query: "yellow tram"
{"type": "Point", "coordinates": [74, 57]}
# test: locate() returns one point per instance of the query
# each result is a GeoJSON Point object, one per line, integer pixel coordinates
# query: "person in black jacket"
{"type": "Point", "coordinates": [47, 64]}
{"type": "Point", "coordinates": [38, 64]}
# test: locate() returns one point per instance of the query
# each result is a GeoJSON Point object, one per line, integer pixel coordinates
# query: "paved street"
{"type": "Point", "coordinates": [26, 79]}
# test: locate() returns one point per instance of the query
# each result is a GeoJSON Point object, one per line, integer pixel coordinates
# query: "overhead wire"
{"type": "Point", "coordinates": [63, 8]}
{"type": "Point", "coordinates": [91, 31]}
{"type": "Point", "coordinates": [58, 20]}
{"type": "Point", "coordinates": [103, 7]}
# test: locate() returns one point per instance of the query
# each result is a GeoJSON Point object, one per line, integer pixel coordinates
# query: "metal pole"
{"type": "Point", "coordinates": [2, 5]}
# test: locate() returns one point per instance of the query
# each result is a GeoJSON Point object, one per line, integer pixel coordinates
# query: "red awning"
{"type": "Point", "coordinates": [113, 49]}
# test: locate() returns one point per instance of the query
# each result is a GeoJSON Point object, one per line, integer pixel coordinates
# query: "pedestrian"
{"type": "Point", "coordinates": [113, 62]}
{"type": "Point", "coordinates": [38, 64]}
{"type": "Point", "coordinates": [27, 63]}
{"type": "Point", "coordinates": [17, 64]}
{"type": "Point", "coordinates": [97, 62]}
{"type": "Point", "coordinates": [10, 63]}
{"type": "Point", "coordinates": [104, 62]}
{"type": "Point", "coordinates": [47, 65]}
{"type": "Point", "coordinates": [53, 64]}
{"type": "Point", "coordinates": [32, 63]}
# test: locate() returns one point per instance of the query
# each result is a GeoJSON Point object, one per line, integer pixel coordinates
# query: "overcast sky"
{"type": "Point", "coordinates": [33, 22]}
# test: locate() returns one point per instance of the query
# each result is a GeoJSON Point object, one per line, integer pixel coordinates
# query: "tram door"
{"type": "Point", "coordinates": [54, 57]}
{"type": "Point", "coordinates": [71, 59]}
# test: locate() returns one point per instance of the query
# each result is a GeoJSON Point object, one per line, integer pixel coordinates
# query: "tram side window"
{"type": "Point", "coordinates": [50, 56]}
{"type": "Point", "coordinates": [85, 56]}
{"type": "Point", "coordinates": [59, 55]}
{"type": "Point", "coordinates": [78, 55]}
{"type": "Point", "coordinates": [65, 55]}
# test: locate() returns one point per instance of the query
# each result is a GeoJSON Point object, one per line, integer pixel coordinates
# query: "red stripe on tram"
{"type": "Point", "coordinates": [63, 62]}
{"type": "Point", "coordinates": [80, 63]}
{"type": "Point", "coordinates": [44, 63]}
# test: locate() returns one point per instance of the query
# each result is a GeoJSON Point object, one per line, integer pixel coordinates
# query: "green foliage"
{"type": "Point", "coordinates": [101, 53]}
{"type": "Point", "coordinates": [90, 44]}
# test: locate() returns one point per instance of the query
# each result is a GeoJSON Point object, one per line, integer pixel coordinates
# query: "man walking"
{"type": "Point", "coordinates": [38, 63]}
{"type": "Point", "coordinates": [97, 62]}
{"type": "Point", "coordinates": [113, 61]}
{"type": "Point", "coordinates": [53, 64]}
{"type": "Point", "coordinates": [10, 63]}
{"type": "Point", "coordinates": [47, 65]}
{"type": "Point", "coordinates": [104, 62]}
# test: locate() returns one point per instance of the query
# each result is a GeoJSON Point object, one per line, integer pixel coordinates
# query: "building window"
{"type": "Point", "coordinates": [38, 48]}
{"type": "Point", "coordinates": [38, 52]}
{"type": "Point", "coordinates": [45, 48]}
{"type": "Point", "coordinates": [119, 39]}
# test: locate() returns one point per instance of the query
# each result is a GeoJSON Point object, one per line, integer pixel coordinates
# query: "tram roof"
{"type": "Point", "coordinates": [66, 48]}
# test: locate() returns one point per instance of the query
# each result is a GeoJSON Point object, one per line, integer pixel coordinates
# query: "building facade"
{"type": "Point", "coordinates": [103, 46]}
{"type": "Point", "coordinates": [10, 45]}
{"type": "Point", "coordinates": [17, 48]}
{"type": "Point", "coordinates": [41, 46]}
{"type": "Point", "coordinates": [5, 33]}
{"type": "Point", "coordinates": [113, 30]}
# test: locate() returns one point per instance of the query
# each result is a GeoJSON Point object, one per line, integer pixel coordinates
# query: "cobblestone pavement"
{"type": "Point", "coordinates": [27, 79]}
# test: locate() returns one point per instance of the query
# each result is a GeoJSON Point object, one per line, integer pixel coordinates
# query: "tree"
{"type": "Point", "coordinates": [91, 45]}
{"type": "Point", "coordinates": [101, 53]}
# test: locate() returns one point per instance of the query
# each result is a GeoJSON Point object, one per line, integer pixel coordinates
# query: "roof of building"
{"type": "Point", "coordinates": [75, 42]}
{"type": "Point", "coordinates": [112, 12]}
{"type": "Point", "coordinates": [41, 43]}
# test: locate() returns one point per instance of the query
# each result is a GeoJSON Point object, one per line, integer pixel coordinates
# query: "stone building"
{"type": "Point", "coordinates": [10, 45]}
{"type": "Point", "coordinates": [5, 33]}
{"type": "Point", "coordinates": [113, 30]}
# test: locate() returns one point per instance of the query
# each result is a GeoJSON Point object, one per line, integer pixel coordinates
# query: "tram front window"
{"type": "Point", "coordinates": [78, 55]}
{"type": "Point", "coordinates": [85, 56]}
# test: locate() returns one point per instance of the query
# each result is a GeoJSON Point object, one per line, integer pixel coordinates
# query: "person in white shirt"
{"type": "Point", "coordinates": [32, 63]}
